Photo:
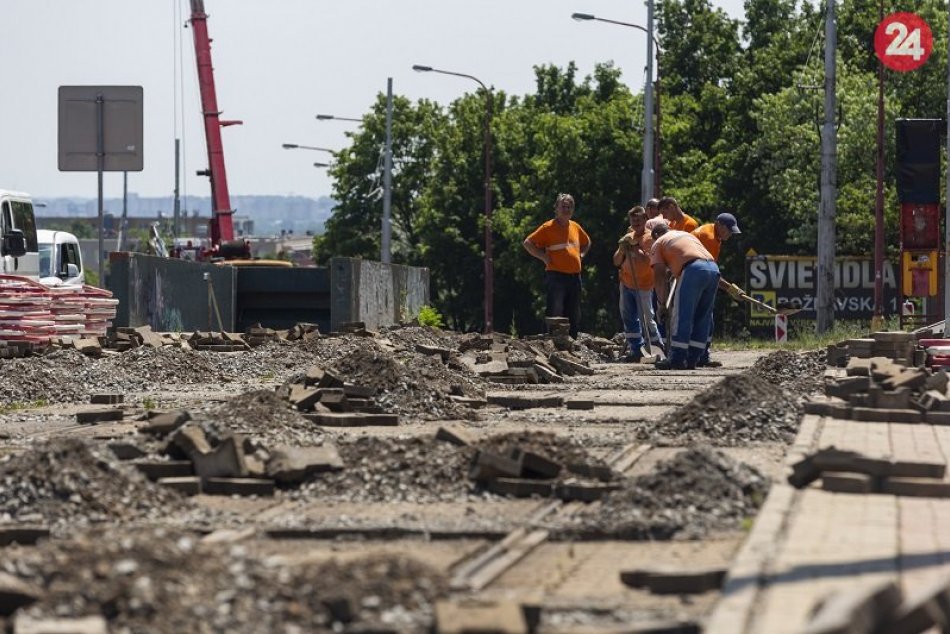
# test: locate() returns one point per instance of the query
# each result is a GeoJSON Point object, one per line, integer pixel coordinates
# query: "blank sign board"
{"type": "Point", "coordinates": [121, 120]}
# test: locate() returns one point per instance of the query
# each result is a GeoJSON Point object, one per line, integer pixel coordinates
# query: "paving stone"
{"type": "Point", "coordinates": [520, 487]}
{"type": "Point", "coordinates": [583, 491]}
{"type": "Point", "coordinates": [330, 379]}
{"type": "Point", "coordinates": [125, 450]}
{"type": "Point", "coordinates": [836, 355]}
{"type": "Point", "coordinates": [15, 594]}
{"type": "Point", "coordinates": [928, 607]}
{"type": "Point", "coordinates": [578, 403]}
{"type": "Point", "coordinates": [23, 534]}
{"type": "Point", "coordinates": [912, 379]}
{"type": "Point", "coordinates": [313, 376]}
{"type": "Point", "coordinates": [289, 465]}
{"type": "Point", "coordinates": [536, 466]}
{"type": "Point", "coordinates": [894, 336]}
{"type": "Point", "coordinates": [524, 402]}
{"type": "Point", "coordinates": [842, 482]}
{"type": "Point", "coordinates": [334, 399]}
{"type": "Point", "coordinates": [508, 380]}
{"type": "Point", "coordinates": [933, 400]}
{"type": "Point", "coordinates": [238, 486]}
{"type": "Point", "coordinates": [568, 366]}
{"type": "Point", "coordinates": [937, 381]}
{"type": "Point", "coordinates": [359, 391]}
{"type": "Point", "coordinates": [469, 617]}
{"type": "Point", "coordinates": [662, 581]}
{"type": "Point", "coordinates": [600, 472]}
{"type": "Point", "coordinates": [24, 624]}
{"type": "Point", "coordinates": [474, 403]}
{"type": "Point", "coordinates": [304, 398]}
{"type": "Point", "coordinates": [846, 386]}
{"type": "Point", "coordinates": [106, 399]}
{"type": "Point", "coordinates": [937, 418]}
{"type": "Point", "coordinates": [896, 399]}
{"type": "Point", "coordinates": [858, 367]}
{"type": "Point", "coordinates": [353, 419]}
{"type": "Point", "coordinates": [191, 439]}
{"type": "Point", "coordinates": [226, 460]}
{"type": "Point", "coordinates": [163, 423]}
{"type": "Point", "coordinates": [89, 347]}
{"type": "Point", "coordinates": [455, 434]}
{"type": "Point", "coordinates": [874, 414]}
{"type": "Point", "coordinates": [487, 465]}
{"type": "Point", "coordinates": [99, 416]}
{"type": "Point", "coordinates": [547, 374]}
{"type": "Point", "coordinates": [157, 469]}
{"type": "Point", "coordinates": [186, 485]}
{"type": "Point", "coordinates": [916, 487]}
{"type": "Point", "coordinates": [862, 609]}
{"type": "Point", "coordinates": [435, 351]}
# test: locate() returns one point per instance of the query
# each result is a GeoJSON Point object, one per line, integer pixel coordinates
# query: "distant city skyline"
{"type": "Point", "coordinates": [277, 65]}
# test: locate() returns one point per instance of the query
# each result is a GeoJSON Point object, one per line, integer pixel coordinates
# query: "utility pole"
{"type": "Point", "coordinates": [946, 241]}
{"type": "Point", "coordinates": [177, 220]}
{"type": "Point", "coordinates": [386, 242]}
{"type": "Point", "coordinates": [829, 184]}
{"type": "Point", "coordinates": [877, 321]}
{"type": "Point", "coordinates": [646, 179]}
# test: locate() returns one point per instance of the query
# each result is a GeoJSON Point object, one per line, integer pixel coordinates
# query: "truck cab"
{"type": "Point", "coordinates": [19, 253]}
{"type": "Point", "coordinates": [60, 259]}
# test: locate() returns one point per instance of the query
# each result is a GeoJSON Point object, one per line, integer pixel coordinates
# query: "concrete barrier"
{"type": "Point", "coordinates": [172, 295]}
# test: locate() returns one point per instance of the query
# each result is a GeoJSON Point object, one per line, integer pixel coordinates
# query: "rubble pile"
{"type": "Point", "coordinates": [148, 367]}
{"type": "Point", "coordinates": [67, 482]}
{"type": "Point", "coordinates": [737, 410]}
{"type": "Point", "coordinates": [797, 372]}
{"type": "Point", "coordinates": [59, 376]}
{"type": "Point", "coordinates": [263, 416]}
{"type": "Point", "coordinates": [171, 582]}
{"type": "Point", "coordinates": [695, 493]}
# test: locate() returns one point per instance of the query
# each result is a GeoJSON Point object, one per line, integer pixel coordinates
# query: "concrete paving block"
{"type": "Point", "coordinates": [492, 368]}
{"type": "Point", "coordinates": [186, 485]}
{"type": "Point", "coordinates": [520, 487]}
{"type": "Point", "coordinates": [534, 465]}
{"type": "Point", "coordinates": [334, 399]}
{"type": "Point", "coordinates": [125, 450]}
{"type": "Point", "coordinates": [569, 366]}
{"type": "Point", "coordinates": [23, 534]}
{"type": "Point", "coordinates": [191, 439]}
{"type": "Point", "coordinates": [295, 464]}
{"type": "Point", "coordinates": [927, 607]}
{"type": "Point", "coordinates": [842, 482]}
{"type": "Point", "coordinates": [873, 414]}
{"type": "Point", "coordinates": [24, 624]}
{"type": "Point", "coordinates": [353, 419]}
{"type": "Point", "coordinates": [330, 379]}
{"type": "Point", "coordinates": [583, 491]}
{"type": "Point", "coordinates": [844, 387]}
{"type": "Point", "coordinates": [662, 581]}
{"type": "Point", "coordinates": [938, 381]}
{"type": "Point", "coordinates": [861, 609]}
{"type": "Point", "coordinates": [15, 594]}
{"type": "Point", "coordinates": [895, 399]}
{"type": "Point", "coordinates": [513, 401]}
{"type": "Point", "coordinates": [937, 418]}
{"type": "Point", "coordinates": [600, 472]}
{"type": "Point", "coordinates": [894, 336]}
{"type": "Point", "coordinates": [912, 379]}
{"type": "Point", "coordinates": [359, 391]}
{"type": "Point", "coordinates": [99, 416]}
{"type": "Point", "coordinates": [163, 423]}
{"type": "Point", "coordinates": [157, 469]}
{"type": "Point", "coordinates": [456, 435]}
{"type": "Point", "coordinates": [487, 465]}
{"type": "Point", "coordinates": [859, 400]}
{"type": "Point", "coordinates": [303, 398]}
{"type": "Point", "coordinates": [933, 400]}
{"type": "Point", "coordinates": [469, 617]}
{"type": "Point", "coordinates": [508, 380]}
{"type": "Point", "coordinates": [226, 460]}
{"type": "Point", "coordinates": [836, 356]}
{"type": "Point", "coordinates": [546, 373]}
{"type": "Point", "coordinates": [238, 486]}
{"type": "Point", "coordinates": [902, 468]}
{"type": "Point", "coordinates": [106, 399]}
{"type": "Point", "coordinates": [474, 403]}
{"type": "Point", "coordinates": [435, 351]}
{"type": "Point", "coordinates": [579, 404]}
{"type": "Point", "coordinates": [916, 487]}
{"type": "Point", "coordinates": [313, 376]}
{"type": "Point", "coordinates": [858, 367]}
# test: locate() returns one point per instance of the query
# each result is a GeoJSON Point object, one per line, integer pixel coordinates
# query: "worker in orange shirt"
{"type": "Point", "coordinates": [712, 235]}
{"type": "Point", "coordinates": [697, 277]}
{"type": "Point", "coordinates": [561, 244]}
{"type": "Point", "coordinates": [678, 221]}
{"type": "Point", "coordinates": [632, 257]}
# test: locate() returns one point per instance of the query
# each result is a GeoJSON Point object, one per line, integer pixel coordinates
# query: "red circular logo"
{"type": "Point", "coordinates": [903, 41]}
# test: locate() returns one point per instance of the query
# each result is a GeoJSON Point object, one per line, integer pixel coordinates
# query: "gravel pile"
{"type": "Point", "coordinates": [148, 367]}
{"type": "Point", "coordinates": [61, 376]}
{"type": "Point", "coordinates": [65, 482]}
{"type": "Point", "coordinates": [560, 449]}
{"type": "Point", "coordinates": [170, 582]}
{"type": "Point", "coordinates": [695, 493]}
{"type": "Point", "coordinates": [762, 404]}
{"type": "Point", "coordinates": [263, 416]}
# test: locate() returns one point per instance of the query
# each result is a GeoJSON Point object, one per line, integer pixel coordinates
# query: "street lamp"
{"type": "Point", "coordinates": [323, 164]}
{"type": "Point", "coordinates": [489, 262]}
{"type": "Point", "coordinates": [294, 146]}
{"type": "Point", "coordinates": [330, 117]}
{"type": "Point", "coordinates": [651, 155]}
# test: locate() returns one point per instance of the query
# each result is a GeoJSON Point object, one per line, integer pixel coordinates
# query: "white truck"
{"type": "Point", "coordinates": [19, 252]}
{"type": "Point", "coordinates": [60, 259]}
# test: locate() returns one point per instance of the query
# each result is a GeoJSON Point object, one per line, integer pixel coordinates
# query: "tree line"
{"type": "Point", "coordinates": [741, 109]}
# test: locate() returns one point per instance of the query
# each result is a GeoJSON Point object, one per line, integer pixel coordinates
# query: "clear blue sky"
{"type": "Point", "coordinates": [277, 64]}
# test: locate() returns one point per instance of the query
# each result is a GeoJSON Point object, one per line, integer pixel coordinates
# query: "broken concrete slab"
{"type": "Point", "coordinates": [487, 465]}
{"type": "Point", "coordinates": [513, 401]}
{"type": "Point", "coordinates": [844, 387]}
{"type": "Point", "coordinates": [583, 491]}
{"type": "Point", "coordinates": [238, 486]}
{"type": "Point", "coordinates": [99, 416]}
{"type": "Point", "coordinates": [455, 435]}
{"type": "Point", "coordinates": [303, 398]}
{"type": "Point", "coordinates": [186, 485]}
{"type": "Point", "coordinates": [520, 487]}
{"type": "Point", "coordinates": [125, 450]}
{"type": "Point", "coordinates": [163, 423]}
{"type": "Point", "coordinates": [668, 581]}
{"type": "Point", "coordinates": [226, 460]}
{"type": "Point", "coordinates": [913, 379]}
{"type": "Point", "coordinates": [534, 465]}
{"type": "Point", "coordinates": [600, 472]}
{"type": "Point", "coordinates": [156, 469]}
{"type": "Point", "coordinates": [290, 465]}
{"type": "Point", "coordinates": [353, 419]}
{"type": "Point", "coordinates": [435, 351]}
{"type": "Point", "coordinates": [191, 439]}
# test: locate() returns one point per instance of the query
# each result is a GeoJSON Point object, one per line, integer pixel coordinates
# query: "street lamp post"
{"type": "Point", "coordinates": [330, 117]}
{"type": "Point", "coordinates": [650, 181]}
{"type": "Point", "coordinates": [489, 262]}
{"type": "Point", "coordinates": [323, 164]}
{"type": "Point", "coordinates": [294, 146]}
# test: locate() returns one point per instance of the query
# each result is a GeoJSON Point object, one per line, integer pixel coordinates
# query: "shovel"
{"type": "Point", "coordinates": [775, 311]}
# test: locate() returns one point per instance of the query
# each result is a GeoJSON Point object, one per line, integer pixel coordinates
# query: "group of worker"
{"type": "Point", "coordinates": [668, 277]}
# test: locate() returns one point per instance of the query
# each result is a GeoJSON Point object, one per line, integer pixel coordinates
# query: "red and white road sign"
{"type": "Point", "coordinates": [903, 41]}
{"type": "Point", "coordinates": [781, 328]}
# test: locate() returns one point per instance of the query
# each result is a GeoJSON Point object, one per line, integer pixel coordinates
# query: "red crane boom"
{"type": "Point", "coordinates": [222, 229]}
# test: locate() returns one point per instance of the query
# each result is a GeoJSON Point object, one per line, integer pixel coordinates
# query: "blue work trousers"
{"type": "Point", "coordinates": [693, 305]}
{"type": "Point", "coordinates": [636, 303]}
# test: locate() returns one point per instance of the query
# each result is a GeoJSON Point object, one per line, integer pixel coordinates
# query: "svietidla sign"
{"type": "Point", "coordinates": [783, 281]}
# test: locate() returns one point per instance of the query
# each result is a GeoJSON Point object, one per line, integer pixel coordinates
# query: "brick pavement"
{"type": "Point", "coordinates": [808, 544]}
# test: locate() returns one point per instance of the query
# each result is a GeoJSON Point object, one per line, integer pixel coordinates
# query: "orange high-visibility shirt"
{"type": "Point", "coordinates": [707, 235]}
{"type": "Point", "coordinates": [562, 244]}
{"type": "Point", "coordinates": [687, 224]}
{"type": "Point", "coordinates": [676, 249]}
{"type": "Point", "coordinates": [641, 276]}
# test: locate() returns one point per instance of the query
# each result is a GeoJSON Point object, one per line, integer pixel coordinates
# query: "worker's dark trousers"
{"type": "Point", "coordinates": [695, 297]}
{"type": "Point", "coordinates": [564, 297]}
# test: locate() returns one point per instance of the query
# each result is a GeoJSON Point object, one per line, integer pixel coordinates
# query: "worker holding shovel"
{"type": "Point", "coordinates": [712, 235]}
{"type": "Point", "coordinates": [632, 257]}
{"type": "Point", "coordinates": [696, 278]}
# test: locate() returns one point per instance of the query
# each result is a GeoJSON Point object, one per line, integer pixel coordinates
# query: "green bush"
{"type": "Point", "coordinates": [429, 316]}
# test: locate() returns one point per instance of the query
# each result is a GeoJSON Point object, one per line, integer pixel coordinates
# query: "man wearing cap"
{"type": "Point", "coordinates": [712, 235]}
{"type": "Point", "coordinates": [697, 277]}
{"type": "Point", "coordinates": [561, 244]}
{"type": "Point", "coordinates": [675, 217]}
